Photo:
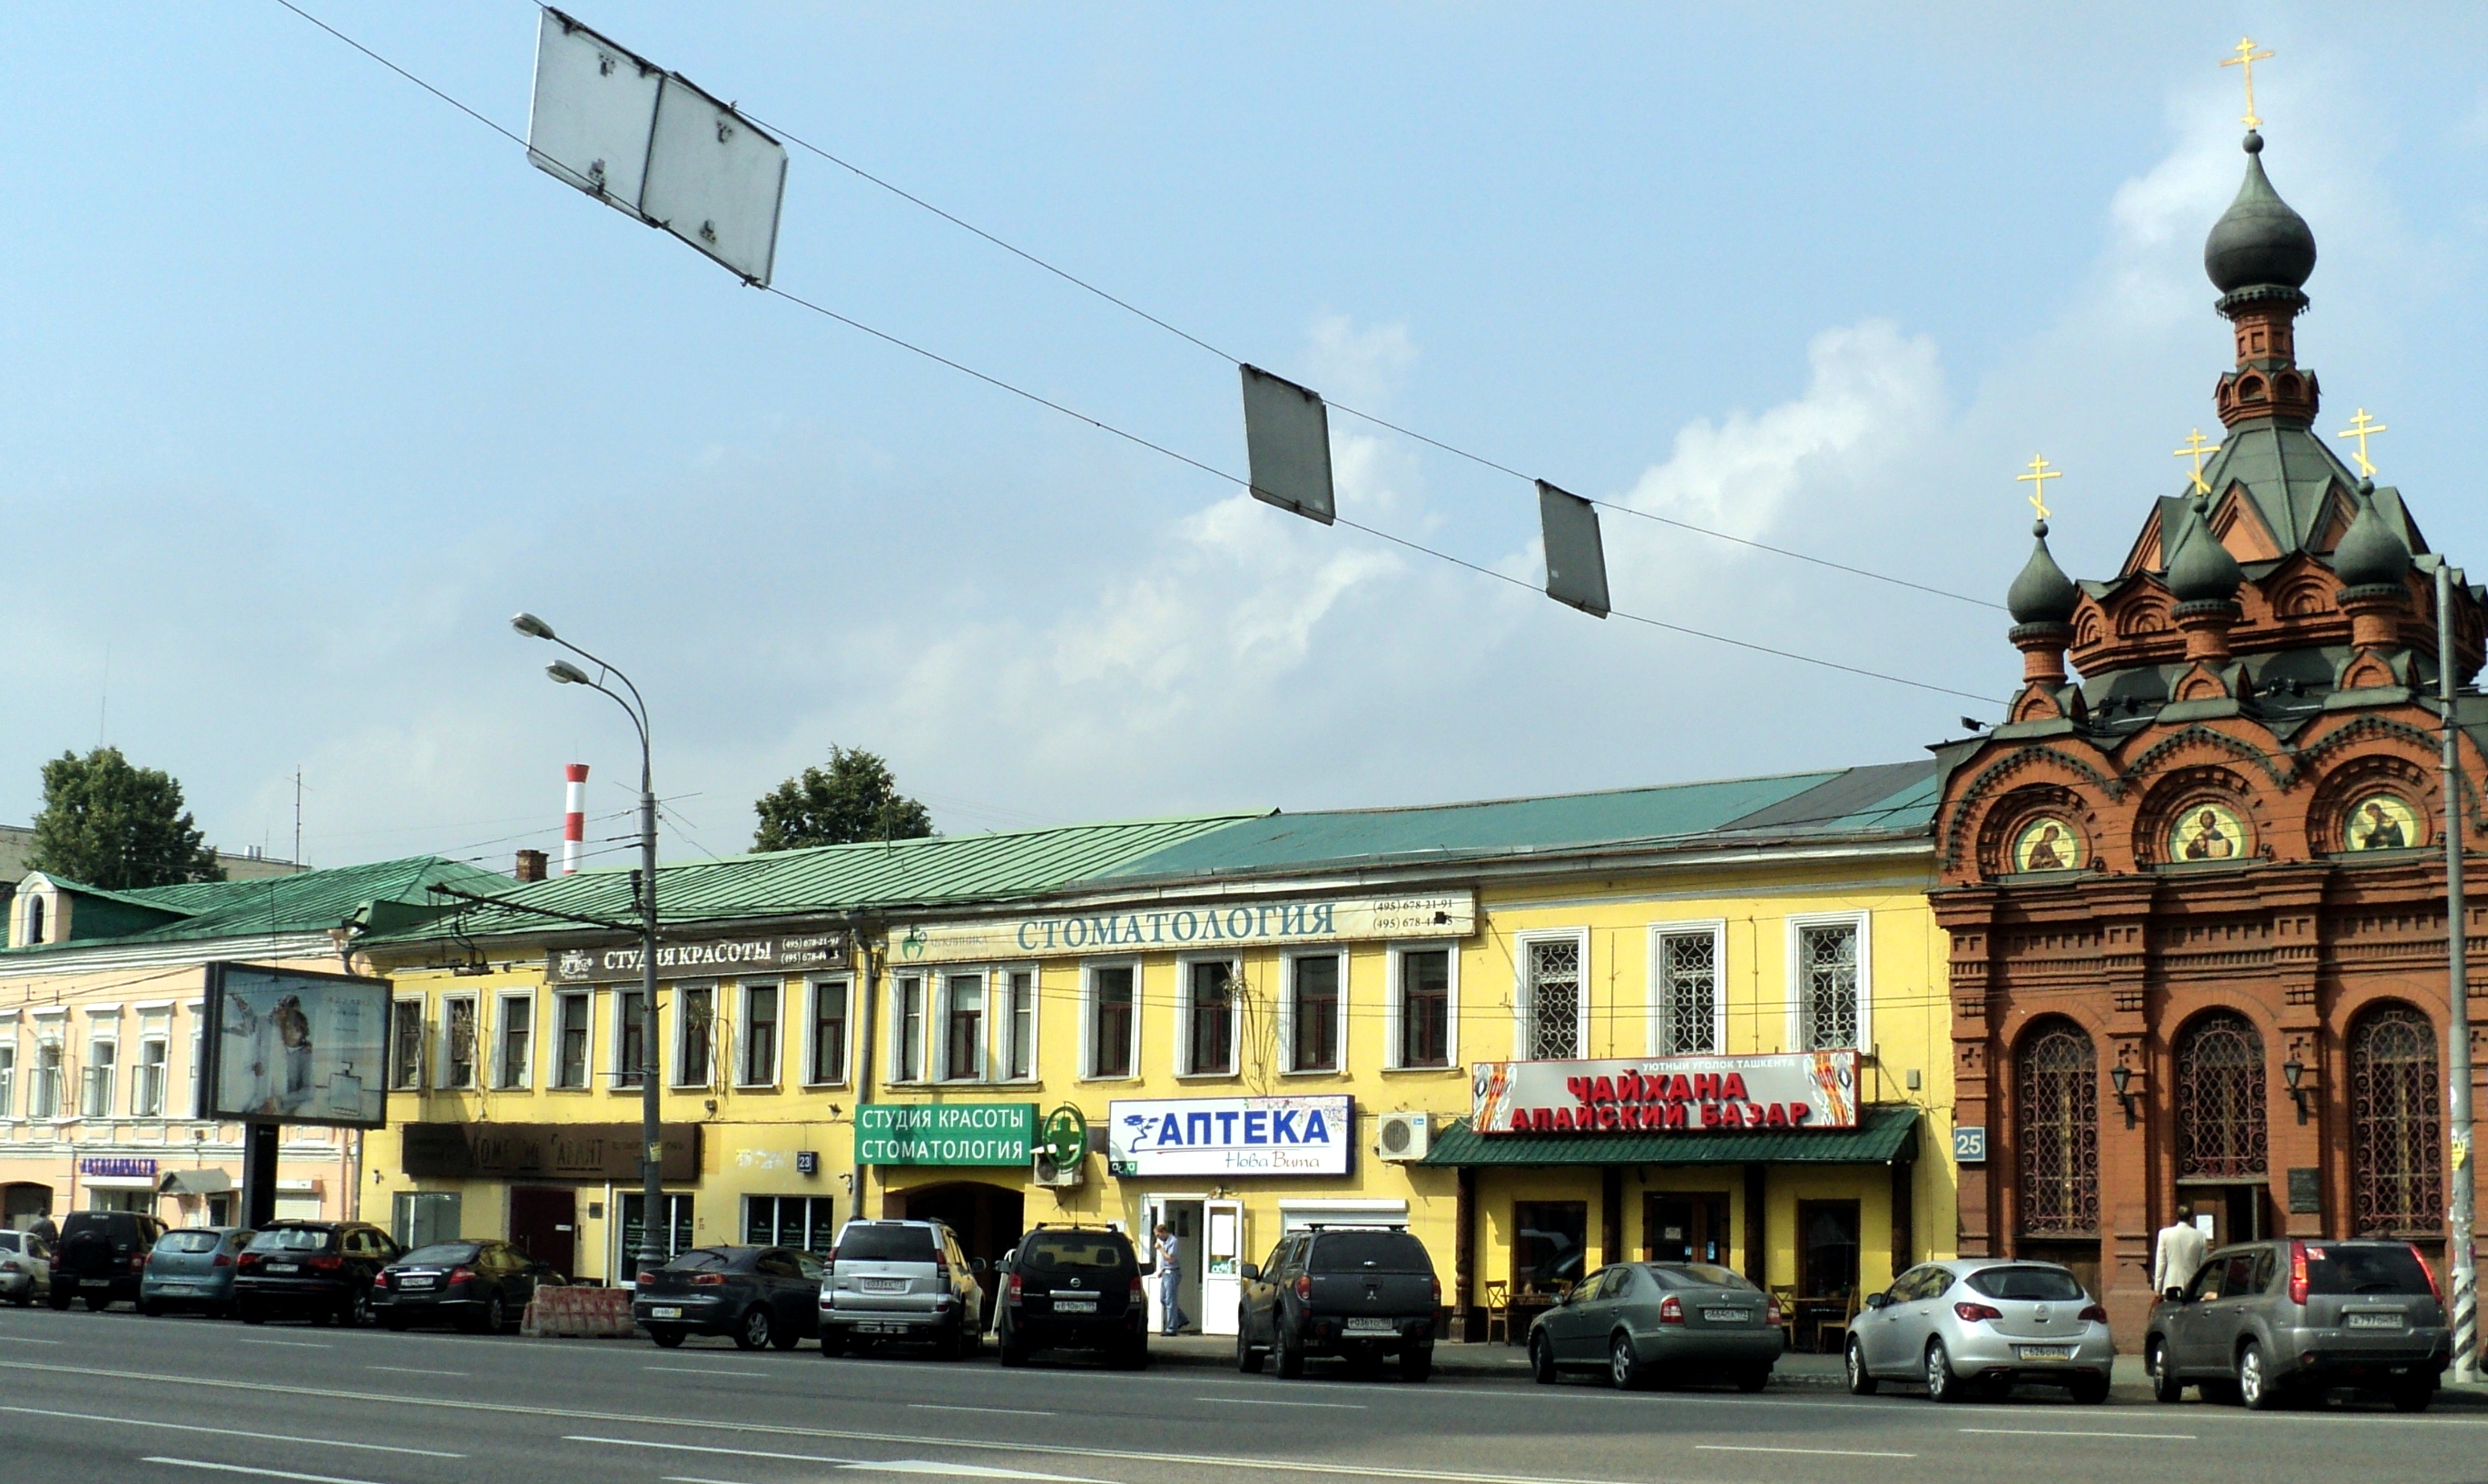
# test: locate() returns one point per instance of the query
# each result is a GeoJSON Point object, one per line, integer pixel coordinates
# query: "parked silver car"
{"type": "Point", "coordinates": [2270, 1319]}
{"type": "Point", "coordinates": [1981, 1325]}
{"type": "Point", "coordinates": [901, 1280]}
{"type": "Point", "coordinates": [25, 1267]}
{"type": "Point", "coordinates": [1637, 1321]}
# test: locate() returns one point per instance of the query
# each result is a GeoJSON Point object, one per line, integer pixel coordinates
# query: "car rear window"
{"type": "Point", "coordinates": [1378, 1251]}
{"type": "Point", "coordinates": [2041, 1285]}
{"type": "Point", "coordinates": [1700, 1275]}
{"type": "Point", "coordinates": [885, 1243]}
{"type": "Point", "coordinates": [449, 1252]}
{"type": "Point", "coordinates": [1062, 1250]}
{"type": "Point", "coordinates": [702, 1260]}
{"type": "Point", "coordinates": [189, 1241]}
{"type": "Point", "coordinates": [292, 1239]}
{"type": "Point", "coordinates": [2364, 1269]}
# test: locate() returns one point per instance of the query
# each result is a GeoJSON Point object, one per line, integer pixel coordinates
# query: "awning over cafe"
{"type": "Point", "coordinates": [196, 1182]}
{"type": "Point", "coordinates": [1884, 1133]}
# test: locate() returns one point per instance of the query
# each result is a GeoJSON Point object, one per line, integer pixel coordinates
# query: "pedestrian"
{"type": "Point", "coordinates": [2177, 1253]}
{"type": "Point", "coordinates": [1170, 1254]}
{"type": "Point", "coordinates": [45, 1229]}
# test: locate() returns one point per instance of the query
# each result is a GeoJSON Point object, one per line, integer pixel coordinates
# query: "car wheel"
{"type": "Point", "coordinates": [1291, 1354]}
{"type": "Point", "coordinates": [753, 1332]}
{"type": "Point", "coordinates": [1861, 1381]}
{"type": "Point", "coordinates": [2164, 1384]}
{"type": "Point", "coordinates": [1542, 1360]}
{"type": "Point", "coordinates": [250, 1314]}
{"type": "Point", "coordinates": [1012, 1352]}
{"type": "Point", "coordinates": [2089, 1390]}
{"type": "Point", "coordinates": [359, 1310]}
{"type": "Point", "coordinates": [490, 1321]}
{"type": "Point", "coordinates": [1942, 1386]}
{"type": "Point", "coordinates": [1623, 1367]}
{"type": "Point", "coordinates": [1247, 1356]}
{"type": "Point", "coordinates": [833, 1343]}
{"type": "Point", "coordinates": [60, 1298]}
{"type": "Point", "coordinates": [2257, 1390]}
{"type": "Point", "coordinates": [1753, 1377]}
{"type": "Point", "coordinates": [1417, 1362]}
{"type": "Point", "coordinates": [787, 1337]}
{"type": "Point", "coordinates": [2414, 1395]}
{"type": "Point", "coordinates": [150, 1308]}
{"type": "Point", "coordinates": [667, 1338]}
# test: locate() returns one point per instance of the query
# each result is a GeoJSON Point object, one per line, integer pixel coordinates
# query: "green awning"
{"type": "Point", "coordinates": [1886, 1131]}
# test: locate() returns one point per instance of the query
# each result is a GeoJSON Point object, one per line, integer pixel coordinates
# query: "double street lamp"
{"type": "Point", "coordinates": [652, 1138]}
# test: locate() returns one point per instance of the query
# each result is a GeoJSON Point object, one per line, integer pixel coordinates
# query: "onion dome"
{"type": "Point", "coordinates": [2202, 570]}
{"type": "Point", "coordinates": [2370, 553]}
{"type": "Point", "coordinates": [2043, 593]}
{"type": "Point", "coordinates": [2258, 240]}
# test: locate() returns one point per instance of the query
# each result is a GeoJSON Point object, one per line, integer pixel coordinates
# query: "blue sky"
{"type": "Point", "coordinates": [310, 381]}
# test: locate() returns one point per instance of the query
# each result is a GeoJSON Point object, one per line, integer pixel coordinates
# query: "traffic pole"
{"type": "Point", "coordinates": [2457, 1024]}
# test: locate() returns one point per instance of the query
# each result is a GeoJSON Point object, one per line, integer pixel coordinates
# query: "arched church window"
{"type": "Point", "coordinates": [2220, 1127]}
{"type": "Point", "coordinates": [2397, 1133]}
{"type": "Point", "coordinates": [2057, 1141]}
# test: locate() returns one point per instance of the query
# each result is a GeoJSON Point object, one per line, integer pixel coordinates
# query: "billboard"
{"type": "Point", "coordinates": [288, 1047]}
{"type": "Point", "coordinates": [1306, 1135]}
{"type": "Point", "coordinates": [1780, 1090]}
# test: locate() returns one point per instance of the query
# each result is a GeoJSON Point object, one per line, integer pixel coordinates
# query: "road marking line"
{"type": "Point", "coordinates": [2051, 1432]}
{"type": "Point", "coordinates": [1256, 1401]}
{"type": "Point", "coordinates": [693, 1447]}
{"type": "Point", "coordinates": [14, 1340]}
{"type": "Point", "coordinates": [263, 1473]}
{"type": "Point", "coordinates": [1007, 1411]}
{"type": "Point", "coordinates": [228, 1432]}
{"type": "Point", "coordinates": [413, 1370]}
{"type": "Point", "coordinates": [290, 1344]}
{"type": "Point", "coordinates": [1730, 1447]}
{"type": "Point", "coordinates": [700, 1370]}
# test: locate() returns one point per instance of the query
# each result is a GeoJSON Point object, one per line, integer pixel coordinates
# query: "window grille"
{"type": "Point", "coordinates": [2397, 1138]}
{"type": "Point", "coordinates": [1555, 999]}
{"type": "Point", "coordinates": [1828, 986]}
{"type": "Point", "coordinates": [2059, 1134]}
{"type": "Point", "coordinates": [2221, 1130]}
{"type": "Point", "coordinates": [1688, 990]}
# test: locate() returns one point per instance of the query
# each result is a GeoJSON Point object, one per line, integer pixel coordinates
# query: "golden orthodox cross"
{"type": "Point", "coordinates": [2037, 479]}
{"type": "Point", "coordinates": [2245, 60]}
{"type": "Point", "coordinates": [2362, 427]}
{"type": "Point", "coordinates": [2194, 449]}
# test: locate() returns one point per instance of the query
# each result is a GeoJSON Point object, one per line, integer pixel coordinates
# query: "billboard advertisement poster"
{"type": "Point", "coordinates": [1231, 1135]}
{"type": "Point", "coordinates": [288, 1047]}
{"type": "Point", "coordinates": [1692, 1094]}
{"type": "Point", "coordinates": [988, 1133]}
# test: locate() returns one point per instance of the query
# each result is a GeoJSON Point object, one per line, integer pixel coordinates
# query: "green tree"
{"type": "Point", "coordinates": [109, 824]}
{"type": "Point", "coordinates": [853, 799]}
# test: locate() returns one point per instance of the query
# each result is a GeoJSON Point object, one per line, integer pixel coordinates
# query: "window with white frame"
{"type": "Point", "coordinates": [514, 1064]}
{"type": "Point", "coordinates": [1208, 1020]}
{"type": "Point", "coordinates": [963, 1027]}
{"type": "Point", "coordinates": [9, 1068]}
{"type": "Point", "coordinates": [1829, 974]}
{"type": "Point", "coordinates": [1015, 1023]}
{"type": "Point", "coordinates": [405, 1044]}
{"type": "Point", "coordinates": [457, 1041]}
{"type": "Point", "coordinates": [826, 1058]}
{"type": "Point", "coordinates": [147, 1073]}
{"type": "Point", "coordinates": [694, 1035]}
{"type": "Point", "coordinates": [43, 1089]}
{"type": "Point", "coordinates": [757, 1065]}
{"type": "Point", "coordinates": [630, 1038]}
{"type": "Point", "coordinates": [1686, 1014]}
{"type": "Point", "coordinates": [96, 1080]}
{"type": "Point", "coordinates": [1314, 1011]}
{"type": "Point", "coordinates": [573, 1031]}
{"type": "Point", "coordinates": [907, 993]}
{"type": "Point", "coordinates": [1109, 1006]}
{"type": "Point", "coordinates": [197, 1010]}
{"type": "Point", "coordinates": [1421, 1007]}
{"type": "Point", "coordinates": [1554, 993]}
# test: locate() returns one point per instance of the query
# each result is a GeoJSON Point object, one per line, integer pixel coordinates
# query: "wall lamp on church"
{"type": "Point", "coordinates": [2120, 1079]}
{"type": "Point", "coordinates": [2293, 1072]}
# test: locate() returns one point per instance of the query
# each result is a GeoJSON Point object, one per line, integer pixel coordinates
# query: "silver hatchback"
{"type": "Point", "coordinates": [1979, 1326]}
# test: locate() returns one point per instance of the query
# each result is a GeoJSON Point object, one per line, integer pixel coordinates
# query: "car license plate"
{"type": "Point", "coordinates": [1726, 1316]}
{"type": "Point", "coordinates": [181, 1288]}
{"type": "Point", "coordinates": [1372, 1327]}
{"type": "Point", "coordinates": [879, 1329]}
{"type": "Point", "coordinates": [411, 1280]}
{"type": "Point", "coordinates": [882, 1285]}
{"type": "Point", "coordinates": [665, 1313]}
{"type": "Point", "coordinates": [2372, 1321]}
{"type": "Point", "coordinates": [1084, 1303]}
{"type": "Point", "coordinates": [2046, 1351]}
{"type": "Point", "coordinates": [96, 1282]}
{"type": "Point", "coordinates": [284, 1266]}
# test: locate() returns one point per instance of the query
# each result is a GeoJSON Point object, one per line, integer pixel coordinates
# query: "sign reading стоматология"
{"type": "Point", "coordinates": [1231, 1135]}
{"type": "Point", "coordinates": [1783, 1090]}
{"type": "Point", "coordinates": [995, 1134]}
{"type": "Point", "coordinates": [288, 1047]}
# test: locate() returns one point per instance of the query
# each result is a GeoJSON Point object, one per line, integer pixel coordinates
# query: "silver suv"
{"type": "Point", "coordinates": [2266, 1319]}
{"type": "Point", "coordinates": [901, 1280]}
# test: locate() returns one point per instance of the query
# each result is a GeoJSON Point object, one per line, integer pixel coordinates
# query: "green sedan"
{"type": "Point", "coordinates": [1639, 1320]}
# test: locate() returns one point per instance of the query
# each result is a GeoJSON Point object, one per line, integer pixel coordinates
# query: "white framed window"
{"type": "Point", "coordinates": [964, 1032]}
{"type": "Point", "coordinates": [406, 1046]}
{"type": "Point", "coordinates": [1831, 982]}
{"type": "Point", "coordinates": [908, 993]}
{"type": "Point", "coordinates": [756, 1063]}
{"type": "Point", "coordinates": [1208, 1007]}
{"type": "Point", "coordinates": [1312, 1013]}
{"type": "Point", "coordinates": [630, 1037]}
{"type": "Point", "coordinates": [458, 1041]}
{"type": "Point", "coordinates": [825, 1055]}
{"type": "Point", "coordinates": [99, 1078]}
{"type": "Point", "coordinates": [1688, 963]}
{"type": "Point", "coordinates": [197, 1011]}
{"type": "Point", "coordinates": [1109, 1021]}
{"type": "Point", "coordinates": [1551, 999]}
{"type": "Point", "coordinates": [147, 1074]}
{"type": "Point", "coordinates": [573, 1035]}
{"type": "Point", "coordinates": [694, 1035]}
{"type": "Point", "coordinates": [43, 1087]}
{"type": "Point", "coordinates": [1014, 996]}
{"type": "Point", "coordinates": [1422, 1017]}
{"type": "Point", "coordinates": [513, 1049]}
{"type": "Point", "coordinates": [7, 1066]}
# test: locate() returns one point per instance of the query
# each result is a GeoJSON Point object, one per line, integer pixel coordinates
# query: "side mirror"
{"type": "Point", "coordinates": [1878, 1301]}
{"type": "Point", "coordinates": [1252, 1273]}
{"type": "Point", "coordinates": [979, 1267]}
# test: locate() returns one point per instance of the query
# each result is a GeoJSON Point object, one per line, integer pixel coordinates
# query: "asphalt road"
{"type": "Point", "coordinates": [117, 1397]}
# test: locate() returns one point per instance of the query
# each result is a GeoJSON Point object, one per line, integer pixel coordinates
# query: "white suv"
{"type": "Point", "coordinates": [901, 1280]}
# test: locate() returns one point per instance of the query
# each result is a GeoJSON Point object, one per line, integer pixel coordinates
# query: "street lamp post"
{"type": "Point", "coordinates": [652, 1138]}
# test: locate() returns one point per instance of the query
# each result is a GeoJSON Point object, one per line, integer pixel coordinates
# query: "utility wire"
{"type": "Point", "coordinates": [403, 73]}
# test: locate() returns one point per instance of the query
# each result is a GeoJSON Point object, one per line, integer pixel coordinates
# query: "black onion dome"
{"type": "Point", "coordinates": [2043, 593]}
{"type": "Point", "coordinates": [2202, 570]}
{"type": "Point", "coordinates": [2370, 555]}
{"type": "Point", "coordinates": [2258, 240]}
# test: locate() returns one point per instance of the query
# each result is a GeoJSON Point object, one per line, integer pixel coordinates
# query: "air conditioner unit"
{"type": "Point", "coordinates": [1403, 1136]}
{"type": "Point", "coordinates": [1060, 1176]}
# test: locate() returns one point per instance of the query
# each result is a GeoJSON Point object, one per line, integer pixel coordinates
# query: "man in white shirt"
{"type": "Point", "coordinates": [2177, 1252]}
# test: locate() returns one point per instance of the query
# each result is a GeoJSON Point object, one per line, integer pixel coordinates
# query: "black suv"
{"type": "Point", "coordinates": [320, 1270]}
{"type": "Point", "coordinates": [1358, 1292]}
{"type": "Point", "coordinates": [1073, 1288]}
{"type": "Point", "coordinates": [102, 1256]}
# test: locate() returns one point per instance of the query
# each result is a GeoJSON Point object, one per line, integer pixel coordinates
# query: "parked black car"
{"type": "Point", "coordinates": [761, 1296]}
{"type": "Point", "coordinates": [479, 1286]}
{"type": "Point", "coordinates": [102, 1256]}
{"type": "Point", "coordinates": [1073, 1288]}
{"type": "Point", "coordinates": [1359, 1292]}
{"type": "Point", "coordinates": [322, 1270]}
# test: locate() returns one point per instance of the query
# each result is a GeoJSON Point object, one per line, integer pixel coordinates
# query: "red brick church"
{"type": "Point", "coordinates": [2196, 897]}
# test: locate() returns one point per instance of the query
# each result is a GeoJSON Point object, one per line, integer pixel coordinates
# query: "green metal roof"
{"type": "Point", "coordinates": [872, 877]}
{"type": "Point", "coordinates": [1889, 799]}
{"type": "Point", "coordinates": [2289, 472]}
{"type": "Point", "coordinates": [306, 902]}
{"type": "Point", "coordinates": [1886, 1131]}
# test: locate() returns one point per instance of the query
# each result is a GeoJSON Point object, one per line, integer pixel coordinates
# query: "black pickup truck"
{"type": "Point", "coordinates": [1356, 1292]}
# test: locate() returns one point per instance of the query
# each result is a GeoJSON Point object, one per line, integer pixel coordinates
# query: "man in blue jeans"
{"type": "Point", "coordinates": [1170, 1254]}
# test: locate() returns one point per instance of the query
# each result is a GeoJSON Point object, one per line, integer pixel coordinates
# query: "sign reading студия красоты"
{"type": "Point", "coordinates": [995, 1134]}
{"type": "Point", "coordinates": [1784, 1090]}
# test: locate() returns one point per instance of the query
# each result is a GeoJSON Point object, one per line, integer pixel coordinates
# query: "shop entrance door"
{"type": "Point", "coordinates": [1684, 1229]}
{"type": "Point", "coordinates": [1186, 1218]}
{"type": "Point", "coordinates": [544, 1224]}
{"type": "Point", "coordinates": [1221, 1279]}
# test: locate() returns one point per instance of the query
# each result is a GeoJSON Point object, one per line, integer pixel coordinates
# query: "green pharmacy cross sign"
{"type": "Point", "coordinates": [1066, 1136]}
{"type": "Point", "coordinates": [982, 1133]}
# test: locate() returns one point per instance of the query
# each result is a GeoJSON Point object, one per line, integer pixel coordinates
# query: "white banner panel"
{"type": "Point", "coordinates": [1199, 929]}
{"type": "Point", "coordinates": [1231, 1135]}
{"type": "Point", "coordinates": [1783, 1090]}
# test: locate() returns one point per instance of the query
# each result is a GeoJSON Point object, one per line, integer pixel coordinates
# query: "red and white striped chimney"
{"type": "Point", "coordinates": [574, 818]}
